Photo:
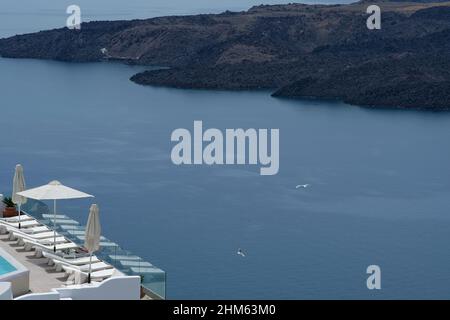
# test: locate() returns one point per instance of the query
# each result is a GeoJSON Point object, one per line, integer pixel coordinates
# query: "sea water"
{"type": "Point", "coordinates": [378, 195]}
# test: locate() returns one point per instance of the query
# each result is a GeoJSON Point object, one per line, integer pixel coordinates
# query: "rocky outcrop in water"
{"type": "Point", "coordinates": [323, 51]}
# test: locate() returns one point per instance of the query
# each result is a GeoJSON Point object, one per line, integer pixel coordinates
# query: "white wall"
{"type": "Point", "coordinates": [40, 296]}
{"type": "Point", "coordinates": [115, 288]}
{"type": "Point", "coordinates": [5, 291]}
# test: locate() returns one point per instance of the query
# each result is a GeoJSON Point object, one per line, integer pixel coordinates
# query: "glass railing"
{"type": "Point", "coordinates": [153, 279]}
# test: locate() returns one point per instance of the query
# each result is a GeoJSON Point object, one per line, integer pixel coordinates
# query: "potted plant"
{"type": "Point", "coordinates": [10, 208]}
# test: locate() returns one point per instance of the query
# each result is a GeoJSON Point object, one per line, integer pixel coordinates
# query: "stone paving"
{"type": "Point", "coordinates": [42, 277]}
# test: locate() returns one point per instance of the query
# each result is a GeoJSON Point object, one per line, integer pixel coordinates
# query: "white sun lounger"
{"type": "Point", "coordinates": [58, 261]}
{"type": "Point", "coordinates": [29, 223]}
{"type": "Point", "coordinates": [41, 235]}
{"type": "Point", "coordinates": [18, 234]}
{"type": "Point", "coordinates": [39, 247]}
{"type": "Point", "coordinates": [80, 277]}
{"type": "Point", "coordinates": [35, 230]}
{"type": "Point", "coordinates": [23, 217]}
{"type": "Point", "coordinates": [26, 224]}
{"type": "Point", "coordinates": [29, 243]}
{"type": "Point", "coordinates": [96, 266]}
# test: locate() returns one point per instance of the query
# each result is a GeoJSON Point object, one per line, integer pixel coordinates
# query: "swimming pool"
{"type": "Point", "coordinates": [5, 266]}
{"type": "Point", "coordinates": [14, 272]}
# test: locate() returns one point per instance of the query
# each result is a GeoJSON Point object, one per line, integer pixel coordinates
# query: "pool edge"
{"type": "Point", "coordinates": [19, 279]}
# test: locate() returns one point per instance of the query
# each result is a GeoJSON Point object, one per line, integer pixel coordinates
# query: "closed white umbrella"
{"type": "Point", "coordinates": [92, 234]}
{"type": "Point", "coordinates": [18, 186]}
{"type": "Point", "coordinates": [54, 191]}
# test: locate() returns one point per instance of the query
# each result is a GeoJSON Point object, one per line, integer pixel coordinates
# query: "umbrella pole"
{"type": "Point", "coordinates": [54, 225]}
{"type": "Point", "coordinates": [90, 263]}
{"type": "Point", "coordinates": [19, 214]}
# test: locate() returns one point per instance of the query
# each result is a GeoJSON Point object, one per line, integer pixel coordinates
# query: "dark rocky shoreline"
{"type": "Point", "coordinates": [322, 51]}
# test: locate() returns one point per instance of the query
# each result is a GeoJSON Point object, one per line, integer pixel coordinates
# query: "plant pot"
{"type": "Point", "coordinates": [9, 212]}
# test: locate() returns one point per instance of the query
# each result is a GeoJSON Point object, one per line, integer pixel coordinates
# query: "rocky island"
{"type": "Point", "coordinates": [297, 50]}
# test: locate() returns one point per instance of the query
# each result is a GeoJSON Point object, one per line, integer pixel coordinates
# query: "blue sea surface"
{"type": "Point", "coordinates": [379, 194]}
